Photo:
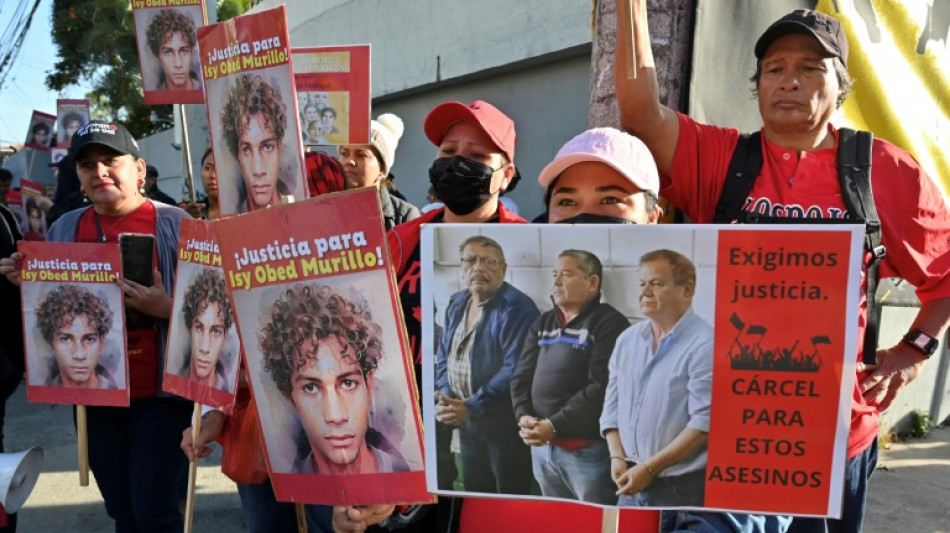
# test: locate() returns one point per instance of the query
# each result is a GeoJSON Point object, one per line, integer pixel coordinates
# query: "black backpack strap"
{"type": "Point", "coordinates": [854, 175]}
{"type": "Point", "coordinates": [743, 169]}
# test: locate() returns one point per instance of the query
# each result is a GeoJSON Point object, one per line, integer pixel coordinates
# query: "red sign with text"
{"type": "Point", "coordinates": [779, 358]}
{"type": "Point", "coordinates": [325, 350]}
{"type": "Point", "coordinates": [73, 324]}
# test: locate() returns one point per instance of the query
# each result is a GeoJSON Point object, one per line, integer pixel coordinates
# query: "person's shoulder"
{"type": "Point", "coordinates": [403, 208]}
{"type": "Point", "coordinates": [168, 211]}
{"type": "Point", "coordinates": [514, 295]}
{"type": "Point", "coordinates": [609, 314]}
{"type": "Point", "coordinates": [64, 229]}
{"type": "Point", "coordinates": [886, 154]}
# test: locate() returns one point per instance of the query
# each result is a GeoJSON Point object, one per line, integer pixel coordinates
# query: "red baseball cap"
{"type": "Point", "coordinates": [499, 128]}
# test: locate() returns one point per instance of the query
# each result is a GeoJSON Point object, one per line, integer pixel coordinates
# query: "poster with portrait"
{"type": "Point", "coordinates": [73, 324]}
{"type": "Point", "coordinates": [40, 134]}
{"type": "Point", "coordinates": [251, 103]}
{"type": "Point", "coordinates": [167, 42]}
{"type": "Point", "coordinates": [203, 350]}
{"type": "Point", "coordinates": [33, 216]}
{"type": "Point", "coordinates": [333, 98]}
{"type": "Point", "coordinates": [70, 116]}
{"type": "Point", "coordinates": [753, 370]}
{"type": "Point", "coordinates": [325, 350]}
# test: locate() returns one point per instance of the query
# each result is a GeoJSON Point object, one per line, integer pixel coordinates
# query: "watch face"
{"type": "Point", "coordinates": [921, 341]}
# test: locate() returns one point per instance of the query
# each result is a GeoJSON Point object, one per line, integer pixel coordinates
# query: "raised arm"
{"type": "Point", "coordinates": [641, 113]}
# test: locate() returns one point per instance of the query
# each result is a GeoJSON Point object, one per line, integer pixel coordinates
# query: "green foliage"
{"type": "Point", "coordinates": [95, 41]}
{"type": "Point", "coordinates": [921, 425]}
{"type": "Point", "coordinates": [228, 9]}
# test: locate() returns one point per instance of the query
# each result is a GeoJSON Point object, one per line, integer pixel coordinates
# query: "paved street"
{"type": "Point", "coordinates": [909, 493]}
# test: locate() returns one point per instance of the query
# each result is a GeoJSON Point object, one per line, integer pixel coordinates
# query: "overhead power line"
{"type": "Point", "coordinates": [18, 33]}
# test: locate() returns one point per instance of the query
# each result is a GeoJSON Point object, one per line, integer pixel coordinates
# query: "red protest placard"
{"type": "Point", "coordinates": [70, 116]}
{"type": "Point", "coordinates": [40, 134]}
{"type": "Point", "coordinates": [34, 220]}
{"type": "Point", "coordinates": [204, 351]}
{"type": "Point", "coordinates": [166, 39]}
{"type": "Point", "coordinates": [333, 99]}
{"type": "Point", "coordinates": [249, 91]}
{"type": "Point", "coordinates": [73, 324]}
{"type": "Point", "coordinates": [781, 357]}
{"type": "Point", "coordinates": [325, 350]}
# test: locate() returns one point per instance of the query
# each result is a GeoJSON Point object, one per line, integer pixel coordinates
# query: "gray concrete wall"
{"type": "Point", "coordinates": [548, 103]}
{"type": "Point", "coordinates": [416, 42]}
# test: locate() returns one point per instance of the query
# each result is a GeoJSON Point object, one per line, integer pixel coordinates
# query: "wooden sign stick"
{"type": "Point", "coordinates": [192, 469]}
{"type": "Point", "coordinates": [301, 518]}
{"type": "Point", "coordinates": [611, 521]}
{"type": "Point", "coordinates": [83, 445]}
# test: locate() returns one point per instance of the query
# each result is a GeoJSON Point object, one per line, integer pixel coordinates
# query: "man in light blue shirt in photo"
{"type": "Point", "coordinates": [656, 411]}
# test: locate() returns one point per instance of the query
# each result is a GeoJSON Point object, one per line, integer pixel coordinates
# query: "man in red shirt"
{"type": "Point", "coordinates": [801, 78]}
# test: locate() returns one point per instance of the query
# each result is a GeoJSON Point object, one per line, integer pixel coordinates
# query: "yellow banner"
{"type": "Point", "coordinates": [900, 61]}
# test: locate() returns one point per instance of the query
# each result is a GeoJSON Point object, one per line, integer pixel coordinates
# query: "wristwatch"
{"type": "Point", "coordinates": [921, 341]}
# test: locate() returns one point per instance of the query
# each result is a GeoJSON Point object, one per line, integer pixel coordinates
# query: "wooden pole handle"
{"type": "Point", "coordinates": [83, 445]}
{"type": "Point", "coordinates": [611, 521]}
{"type": "Point", "coordinates": [301, 518]}
{"type": "Point", "coordinates": [192, 469]}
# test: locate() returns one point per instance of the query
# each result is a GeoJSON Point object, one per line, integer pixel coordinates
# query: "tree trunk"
{"type": "Point", "coordinates": [671, 29]}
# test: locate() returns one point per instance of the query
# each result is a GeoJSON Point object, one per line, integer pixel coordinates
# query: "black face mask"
{"type": "Point", "coordinates": [461, 184]}
{"type": "Point", "coordinates": [591, 218]}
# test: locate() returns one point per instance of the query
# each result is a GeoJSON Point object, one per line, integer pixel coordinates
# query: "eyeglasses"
{"type": "Point", "coordinates": [489, 262]}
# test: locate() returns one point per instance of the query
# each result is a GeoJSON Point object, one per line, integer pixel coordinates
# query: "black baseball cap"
{"type": "Point", "coordinates": [108, 134]}
{"type": "Point", "coordinates": [824, 28]}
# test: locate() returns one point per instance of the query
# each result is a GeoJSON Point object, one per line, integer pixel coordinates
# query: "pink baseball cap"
{"type": "Point", "coordinates": [623, 152]}
{"type": "Point", "coordinates": [499, 128]}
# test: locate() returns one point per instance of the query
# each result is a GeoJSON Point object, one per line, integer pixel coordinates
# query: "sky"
{"type": "Point", "coordinates": [25, 89]}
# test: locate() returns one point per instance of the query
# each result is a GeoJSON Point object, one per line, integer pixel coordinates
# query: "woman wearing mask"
{"type": "Point", "coordinates": [367, 165]}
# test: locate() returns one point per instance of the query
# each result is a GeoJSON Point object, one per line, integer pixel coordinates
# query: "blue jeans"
{"type": "Point", "coordinates": [858, 471]}
{"type": "Point", "coordinates": [685, 490]}
{"type": "Point", "coordinates": [696, 522]}
{"type": "Point", "coordinates": [135, 455]}
{"type": "Point", "coordinates": [494, 458]}
{"type": "Point", "coordinates": [582, 474]}
{"type": "Point", "coordinates": [264, 514]}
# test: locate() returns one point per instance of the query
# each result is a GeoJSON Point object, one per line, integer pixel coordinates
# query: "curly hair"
{"type": "Point", "coordinates": [39, 126]}
{"type": "Point", "coordinates": [250, 95]}
{"type": "Point", "coordinates": [165, 24]}
{"type": "Point", "coordinates": [66, 302]}
{"type": "Point", "coordinates": [207, 288]}
{"type": "Point", "coordinates": [315, 313]}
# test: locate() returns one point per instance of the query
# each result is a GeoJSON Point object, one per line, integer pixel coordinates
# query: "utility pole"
{"type": "Point", "coordinates": [671, 29]}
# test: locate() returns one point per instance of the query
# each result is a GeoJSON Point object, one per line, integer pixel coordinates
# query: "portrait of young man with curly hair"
{"type": "Point", "coordinates": [171, 39]}
{"type": "Point", "coordinates": [75, 322]}
{"type": "Point", "coordinates": [253, 122]}
{"type": "Point", "coordinates": [322, 350]}
{"type": "Point", "coordinates": [207, 314]}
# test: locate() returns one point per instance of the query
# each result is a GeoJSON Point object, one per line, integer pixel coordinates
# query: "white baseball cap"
{"type": "Point", "coordinates": [621, 151]}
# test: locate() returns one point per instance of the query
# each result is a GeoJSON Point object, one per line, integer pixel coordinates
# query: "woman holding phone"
{"type": "Point", "coordinates": [133, 451]}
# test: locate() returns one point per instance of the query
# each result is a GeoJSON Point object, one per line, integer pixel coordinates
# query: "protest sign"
{"type": "Point", "coordinates": [325, 350]}
{"type": "Point", "coordinates": [757, 367]}
{"type": "Point", "coordinates": [34, 219]}
{"type": "Point", "coordinates": [40, 134]}
{"type": "Point", "coordinates": [333, 99]}
{"type": "Point", "coordinates": [166, 38]}
{"type": "Point", "coordinates": [249, 91]}
{"type": "Point", "coordinates": [70, 116]}
{"type": "Point", "coordinates": [73, 324]}
{"type": "Point", "coordinates": [204, 351]}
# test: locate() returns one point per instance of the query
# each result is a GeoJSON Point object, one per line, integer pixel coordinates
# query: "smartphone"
{"type": "Point", "coordinates": [138, 257]}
